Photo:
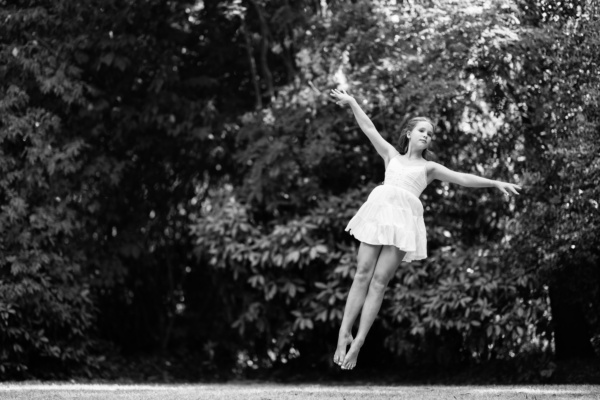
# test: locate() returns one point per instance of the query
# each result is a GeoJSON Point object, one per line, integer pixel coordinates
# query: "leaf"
{"type": "Point", "coordinates": [321, 316]}
{"type": "Point", "coordinates": [107, 58]}
{"type": "Point", "coordinates": [121, 62]}
{"type": "Point", "coordinates": [272, 291]}
{"type": "Point", "coordinates": [309, 324]}
{"type": "Point", "coordinates": [293, 256]}
{"type": "Point", "coordinates": [520, 331]}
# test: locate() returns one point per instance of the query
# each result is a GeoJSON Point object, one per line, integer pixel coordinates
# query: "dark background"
{"type": "Point", "coordinates": [175, 183]}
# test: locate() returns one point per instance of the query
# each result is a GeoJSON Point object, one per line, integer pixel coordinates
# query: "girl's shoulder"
{"type": "Point", "coordinates": [433, 164]}
{"type": "Point", "coordinates": [432, 167]}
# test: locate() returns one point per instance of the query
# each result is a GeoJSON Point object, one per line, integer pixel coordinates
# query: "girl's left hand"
{"type": "Point", "coordinates": [508, 188]}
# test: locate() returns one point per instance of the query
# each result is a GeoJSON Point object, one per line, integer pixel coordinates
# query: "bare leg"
{"type": "Point", "coordinates": [387, 263]}
{"type": "Point", "coordinates": [365, 265]}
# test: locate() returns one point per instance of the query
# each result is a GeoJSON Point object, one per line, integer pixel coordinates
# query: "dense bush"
{"type": "Point", "coordinates": [291, 282]}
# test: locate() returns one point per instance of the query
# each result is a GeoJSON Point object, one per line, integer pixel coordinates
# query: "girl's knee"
{"type": "Point", "coordinates": [364, 270]}
{"type": "Point", "coordinates": [379, 282]}
{"type": "Point", "coordinates": [362, 275]}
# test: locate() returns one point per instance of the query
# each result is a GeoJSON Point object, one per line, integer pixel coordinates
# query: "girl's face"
{"type": "Point", "coordinates": [420, 136]}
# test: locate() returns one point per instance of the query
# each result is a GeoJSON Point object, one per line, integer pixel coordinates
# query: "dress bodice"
{"type": "Point", "coordinates": [411, 178]}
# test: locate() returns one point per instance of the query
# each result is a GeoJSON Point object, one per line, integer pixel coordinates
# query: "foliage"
{"type": "Point", "coordinates": [556, 115]}
{"type": "Point", "coordinates": [101, 152]}
{"type": "Point", "coordinates": [174, 180]}
{"type": "Point", "coordinates": [45, 303]}
{"type": "Point", "coordinates": [474, 68]}
{"type": "Point", "coordinates": [482, 311]}
{"type": "Point", "coordinates": [292, 280]}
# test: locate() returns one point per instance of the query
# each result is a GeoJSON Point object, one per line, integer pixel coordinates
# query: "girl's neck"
{"type": "Point", "coordinates": [414, 155]}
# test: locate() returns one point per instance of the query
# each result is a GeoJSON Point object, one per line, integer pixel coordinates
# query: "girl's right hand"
{"type": "Point", "coordinates": [507, 188]}
{"type": "Point", "coordinates": [341, 97]}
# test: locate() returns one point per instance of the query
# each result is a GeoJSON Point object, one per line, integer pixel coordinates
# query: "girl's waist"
{"type": "Point", "coordinates": [414, 192]}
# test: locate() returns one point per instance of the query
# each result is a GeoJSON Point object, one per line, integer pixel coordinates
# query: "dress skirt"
{"type": "Point", "coordinates": [392, 216]}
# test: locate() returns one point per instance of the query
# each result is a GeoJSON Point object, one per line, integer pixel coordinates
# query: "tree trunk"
{"type": "Point", "coordinates": [264, 48]}
{"type": "Point", "coordinates": [252, 63]}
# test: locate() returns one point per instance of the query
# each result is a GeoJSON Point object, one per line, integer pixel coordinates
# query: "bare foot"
{"type": "Point", "coordinates": [344, 339]}
{"type": "Point", "coordinates": [350, 359]}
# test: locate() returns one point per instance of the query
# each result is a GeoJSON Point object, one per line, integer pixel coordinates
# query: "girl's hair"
{"type": "Point", "coordinates": [403, 140]}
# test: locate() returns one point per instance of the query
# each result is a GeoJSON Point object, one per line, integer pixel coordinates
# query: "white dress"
{"type": "Point", "coordinates": [393, 213]}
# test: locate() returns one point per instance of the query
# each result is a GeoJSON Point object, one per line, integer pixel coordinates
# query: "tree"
{"type": "Point", "coordinates": [172, 170]}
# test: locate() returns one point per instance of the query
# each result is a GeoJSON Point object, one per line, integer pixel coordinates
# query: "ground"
{"type": "Point", "coordinates": [262, 391]}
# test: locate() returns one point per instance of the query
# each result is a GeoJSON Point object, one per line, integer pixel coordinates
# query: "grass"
{"type": "Point", "coordinates": [263, 391]}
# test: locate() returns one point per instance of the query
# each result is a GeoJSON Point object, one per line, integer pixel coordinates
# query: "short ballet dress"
{"type": "Point", "coordinates": [393, 213]}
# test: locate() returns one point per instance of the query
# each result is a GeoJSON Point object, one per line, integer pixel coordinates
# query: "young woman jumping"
{"type": "Point", "coordinates": [390, 223]}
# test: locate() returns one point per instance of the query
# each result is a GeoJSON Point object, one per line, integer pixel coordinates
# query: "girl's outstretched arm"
{"type": "Point", "coordinates": [384, 148]}
{"type": "Point", "coordinates": [439, 172]}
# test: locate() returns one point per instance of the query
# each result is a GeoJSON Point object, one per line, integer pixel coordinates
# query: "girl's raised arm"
{"type": "Point", "coordinates": [442, 173]}
{"type": "Point", "coordinates": [384, 148]}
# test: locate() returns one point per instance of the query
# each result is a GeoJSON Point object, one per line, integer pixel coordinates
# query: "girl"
{"type": "Point", "coordinates": [390, 223]}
